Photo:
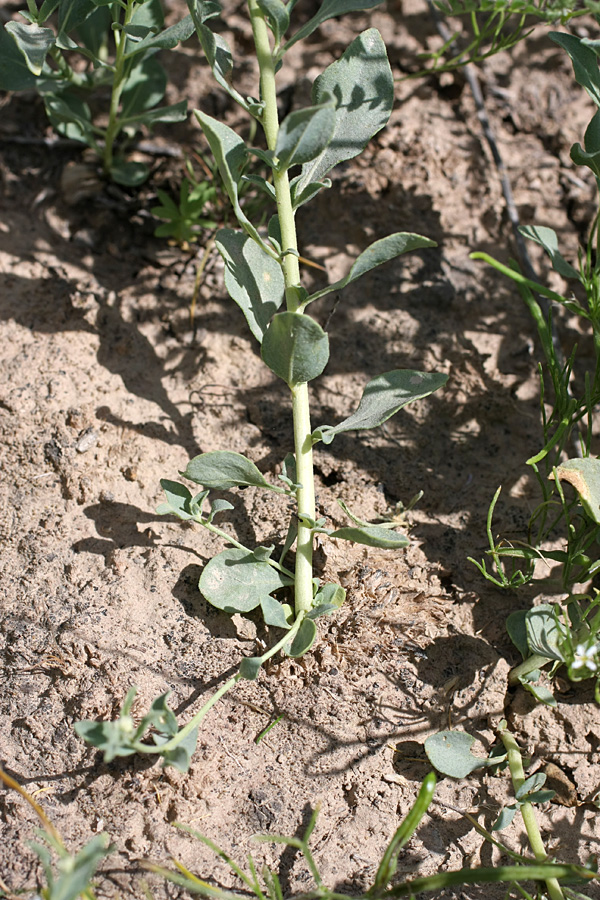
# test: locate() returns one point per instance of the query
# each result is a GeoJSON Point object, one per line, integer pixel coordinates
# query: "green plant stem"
{"type": "Point", "coordinates": [112, 129]}
{"type": "Point", "coordinates": [503, 874]}
{"type": "Point", "coordinates": [196, 719]}
{"type": "Point", "coordinates": [515, 763]}
{"type": "Point", "coordinates": [305, 497]}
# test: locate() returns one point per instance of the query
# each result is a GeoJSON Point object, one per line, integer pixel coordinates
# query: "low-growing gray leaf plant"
{"type": "Point", "coordinates": [351, 101]}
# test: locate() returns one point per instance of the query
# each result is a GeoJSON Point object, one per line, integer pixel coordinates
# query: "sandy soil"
{"type": "Point", "coordinates": [105, 388]}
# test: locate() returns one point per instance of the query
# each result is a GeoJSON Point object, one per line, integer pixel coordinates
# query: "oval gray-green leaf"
{"type": "Point", "coordinates": [304, 134]}
{"type": "Point", "coordinates": [274, 613]}
{"type": "Point", "coordinates": [544, 636]}
{"type": "Point", "coordinates": [235, 581]}
{"type": "Point", "coordinates": [372, 536]}
{"type": "Point", "coordinates": [547, 238]}
{"type": "Point", "coordinates": [303, 640]}
{"type": "Point", "coordinates": [250, 667]}
{"type": "Point", "coordinates": [382, 398]}
{"type": "Point", "coordinates": [253, 279]}
{"type": "Point", "coordinates": [224, 469]}
{"type": "Point", "coordinates": [295, 347]}
{"type": "Point", "coordinates": [178, 500]}
{"type": "Point", "coordinates": [450, 753]}
{"type": "Point", "coordinates": [362, 83]}
{"type": "Point", "coordinates": [376, 254]}
{"type": "Point", "coordinates": [584, 475]}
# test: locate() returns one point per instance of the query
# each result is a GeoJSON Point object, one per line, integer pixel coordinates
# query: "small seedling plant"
{"type": "Point", "coordinates": [95, 48]}
{"type": "Point", "coordinates": [351, 101]}
{"type": "Point", "coordinates": [565, 634]}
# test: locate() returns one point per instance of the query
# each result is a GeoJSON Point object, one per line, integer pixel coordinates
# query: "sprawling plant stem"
{"type": "Point", "coordinates": [305, 495]}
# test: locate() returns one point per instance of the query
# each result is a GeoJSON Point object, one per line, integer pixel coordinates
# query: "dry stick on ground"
{"type": "Point", "coordinates": [470, 73]}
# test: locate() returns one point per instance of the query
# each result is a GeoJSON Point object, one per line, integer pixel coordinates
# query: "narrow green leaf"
{"type": "Point", "coordinates": [165, 39]}
{"type": "Point", "coordinates": [541, 693]}
{"type": "Point", "coordinates": [530, 785]}
{"type": "Point", "coordinates": [382, 398]}
{"type": "Point", "coordinates": [253, 279]}
{"type": "Point", "coordinates": [235, 581]}
{"type": "Point", "coordinates": [585, 62]}
{"type": "Point", "coordinates": [372, 536]}
{"type": "Point", "coordinates": [215, 48]}
{"type": "Point", "coordinates": [584, 475]}
{"type": "Point", "coordinates": [303, 640]}
{"type": "Point", "coordinates": [33, 42]}
{"type": "Point", "coordinates": [295, 347]}
{"type": "Point", "coordinates": [590, 156]}
{"type": "Point", "coordinates": [328, 10]}
{"type": "Point", "coordinates": [547, 238]}
{"type": "Point", "coordinates": [162, 115]}
{"type": "Point", "coordinates": [378, 253]}
{"type": "Point", "coordinates": [231, 154]}
{"type": "Point", "coordinates": [277, 16]}
{"type": "Point", "coordinates": [362, 83]}
{"type": "Point", "coordinates": [450, 753]}
{"type": "Point", "coordinates": [304, 134]}
{"type": "Point", "coordinates": [516, 626]}
{"type": "Point", "coordinates": [300, 197]}
{"type": "Point", "coordinates": [224, 469]}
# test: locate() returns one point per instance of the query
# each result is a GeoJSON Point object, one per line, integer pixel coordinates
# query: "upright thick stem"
{"type": "Point", "coordinates": [515, 764]}
{"type": "Point", "coordinates": [305, 496]}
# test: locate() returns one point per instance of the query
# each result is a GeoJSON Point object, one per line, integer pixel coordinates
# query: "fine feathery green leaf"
{"type": "Point", "coordinates": [450, 753]}
{"type": "Point", "coordinates": [305, 133]}
{"type": "Point", "coordinates": [382, 398]}
{"type": "Point", "coordinates": [378, 253]}
{"type": "Point", "coordinates": [585, 62]}
{"type": "Point", "coordinates": [372, 536]}
{"type": "Point", "coordinates": [253, 279]}
{"type": "Point", "coordinates": [328, 10]}
{"type": "Point", "coordinates": [225, 469]}
{"type": "Point", "coordinates": [361, 82]}
{"type": "Point", "coordinates": [295, 348]}
{"type": "Point", "coordinates": [547, 238]}
{"type": "Point", "coordinates": [236, 582]}
{"type": "Point", "coordinates": [584, 476]}
{"type": "Point", "coordinates": [33, 42]}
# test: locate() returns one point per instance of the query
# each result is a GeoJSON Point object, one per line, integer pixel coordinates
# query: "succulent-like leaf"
{"type": "Point", "coordinates": [295, 347]}
{"type": "Point", "coordinates": [303, 640]}
{"type": "Point", "coordinates": [450, 753]}
{"type": "Point", "coordinates": [250, 667]}
{"type": "Point", "coordinates": [544, 635]}
{"type": "Point", "coordinates": [180, 757]}
{"type": "Point", "coordinates": [33, 42]}
{"type": "Point", "coordinates": [328, 10]}
{"type": "Point", "coordinates": [372, 536]}
{"type": "Point", "coordinates": [224, 469]}
{"type": "Point", "coordinates": [178, 500]}
{"type": "Point", "coordinates": [14, 72]}
{"type": "Point", "coordinates": [382, 398]}
{"type": "Point", "coordinates": [235, 581]}
{"type": "Point", "coordinates": [305, 133]}
{"type": "Point", "coordinates": [274, 613]}
{"type": "Point", "coordinates": [584, 475]}
{"type": "Point", "coordinates": [378, 253]}
{"type": "Point", "coordinates": [253, 279]}
{"type": "Point", "coordinates": [362, 83]}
